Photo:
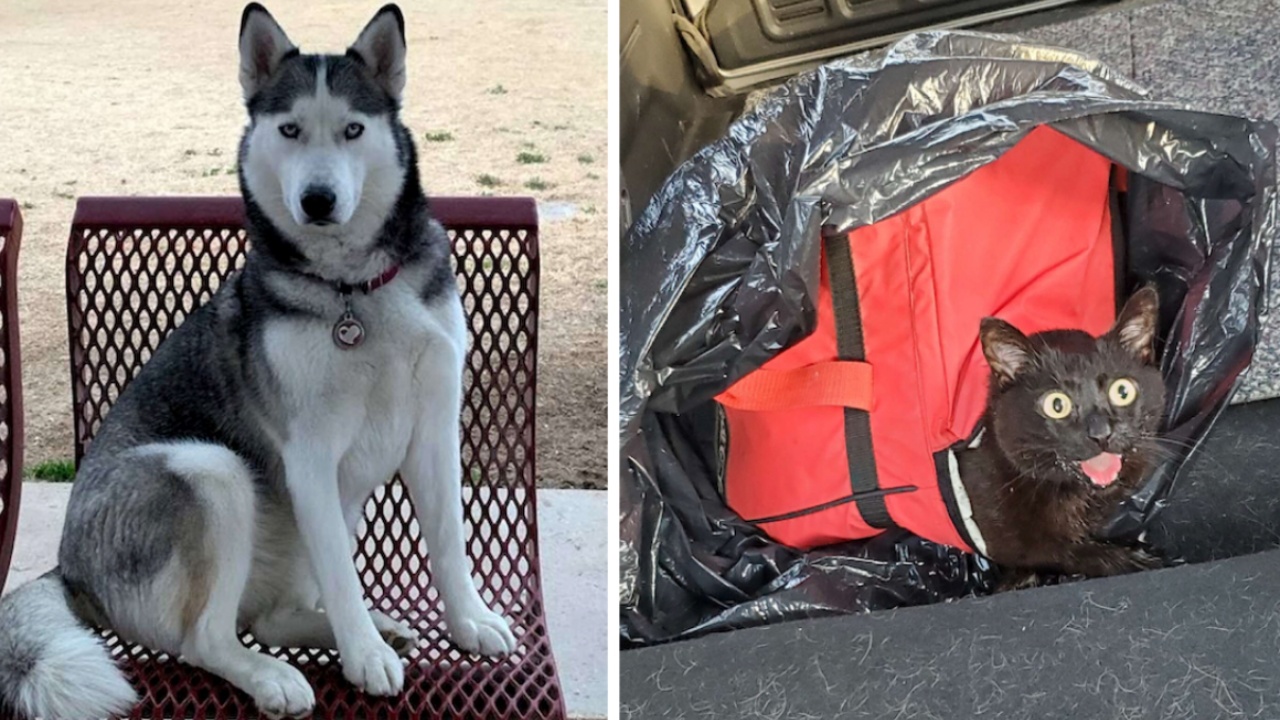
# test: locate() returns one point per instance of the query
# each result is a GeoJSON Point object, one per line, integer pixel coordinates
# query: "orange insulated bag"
{"type": "Point", "coordinates": [851, 430]}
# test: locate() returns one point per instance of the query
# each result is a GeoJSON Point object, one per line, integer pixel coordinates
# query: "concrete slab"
{"type": "Point", "coordinates": [43, 507]}
{"type": "Point", "coordinates": [571, 536]}
{"type": "Point", "coordinates": [575, 572]}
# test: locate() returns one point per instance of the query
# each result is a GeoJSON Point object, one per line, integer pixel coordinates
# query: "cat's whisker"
{"type": "Point", "coordinates": [1168, 440]}
{"type": "Point", "coordinates": [1158, 445]}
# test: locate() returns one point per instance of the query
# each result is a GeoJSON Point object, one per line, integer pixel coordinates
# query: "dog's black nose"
{"type": "Point", "coordinates": [317, 202]}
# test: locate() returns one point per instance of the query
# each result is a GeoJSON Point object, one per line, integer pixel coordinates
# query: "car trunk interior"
{"type": "Point", "coordinates": [687, 66]}
{"type": "Point", "coordinates": [1172, 642]}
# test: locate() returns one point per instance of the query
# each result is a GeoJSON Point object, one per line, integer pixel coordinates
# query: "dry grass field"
{"type": "Point", "coordinates": [140, 97]}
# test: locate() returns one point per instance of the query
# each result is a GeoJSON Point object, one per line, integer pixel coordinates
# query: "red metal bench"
{"type": "Point", "coordinates": [137, 266]}
{"type": "Point", "coordinates": [10, 384]}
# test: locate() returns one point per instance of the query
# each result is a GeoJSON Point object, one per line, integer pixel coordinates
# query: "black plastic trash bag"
{"type": "Point", "coordinates": [721, 272]}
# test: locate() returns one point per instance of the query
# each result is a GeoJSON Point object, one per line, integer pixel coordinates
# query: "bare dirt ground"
{"type": "Point", "coordinates": [140, 97]}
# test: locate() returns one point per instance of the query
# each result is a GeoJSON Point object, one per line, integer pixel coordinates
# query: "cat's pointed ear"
{"type": "Point", "coordinates": [263, 45]}
{"type": "Point", "coordinates": [1006, 348]}
{"type": "Point", "coordinates": [1135, 328]}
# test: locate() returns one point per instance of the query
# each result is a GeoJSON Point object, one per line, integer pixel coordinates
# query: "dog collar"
{"type": "Point", "coordinates": [348, 331]}
{"type": "Point", "coordinates": [368, 286]}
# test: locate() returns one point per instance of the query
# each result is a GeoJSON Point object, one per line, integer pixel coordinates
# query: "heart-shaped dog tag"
{"type": "Point", "coordinates": [348, 332]}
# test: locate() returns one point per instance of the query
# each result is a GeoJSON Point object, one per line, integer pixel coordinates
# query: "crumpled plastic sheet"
{"type": "Point", "coordinates": [721, 273]}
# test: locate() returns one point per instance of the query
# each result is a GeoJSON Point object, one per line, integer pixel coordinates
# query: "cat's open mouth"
{"type": "Point", "coordinates": [1102, 469]}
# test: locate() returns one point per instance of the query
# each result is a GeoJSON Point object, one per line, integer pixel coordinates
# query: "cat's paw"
{"type": "Point", "coordinates": [1105, 559]}
{"type": "Point", "coordinates": [1144, 559]}
{"type": "Point", "coordinates": [1018, 579]}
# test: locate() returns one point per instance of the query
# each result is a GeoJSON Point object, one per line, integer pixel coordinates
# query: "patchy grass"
{"type": "Point", "coordinates": [560, 83]}
{"type": "Point", "coordinates": [537, 183]}
{"type": "Point", "coordinates": [497, 90]}
{"type": "Point", "coordinates": [439, 137]}
{"type": "Point", "coordinates": [60, 470]}
{"type": "Point", "coordinates": [28, 205]}
{"type": "Point", "coordinates": [586, 158]}
{"type": "Point", "coordinates": [531, 158]}
{"type": "Point", "coordinates": [64, 194]}
{"type": "Point", "coordinates": [487, 180]}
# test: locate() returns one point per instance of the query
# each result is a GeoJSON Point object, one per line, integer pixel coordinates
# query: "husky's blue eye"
{"type": "Point", "coordinates": [290, 130]}
{"type": "Point", "coordinates": [353, 131]}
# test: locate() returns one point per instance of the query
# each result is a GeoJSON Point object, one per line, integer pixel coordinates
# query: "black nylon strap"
{"type": "Point", "coordinates": [1119, 247]}
{"type": "Point", "coordinates": [857, 423]}
{"type": "Point", "coordinates": [828, 505]}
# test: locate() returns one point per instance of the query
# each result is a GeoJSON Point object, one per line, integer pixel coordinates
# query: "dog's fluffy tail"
{"type": "Point", "coordinates": [51, 665]}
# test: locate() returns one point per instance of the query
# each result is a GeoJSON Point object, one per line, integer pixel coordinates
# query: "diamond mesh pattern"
{"type": "Point", "coordinates": [137, 267]}
{"type": "Point", "coordinates": [10, 384]}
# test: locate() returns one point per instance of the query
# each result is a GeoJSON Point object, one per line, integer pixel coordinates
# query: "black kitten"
{"type": "Point", "coordinates": [1071, 424]}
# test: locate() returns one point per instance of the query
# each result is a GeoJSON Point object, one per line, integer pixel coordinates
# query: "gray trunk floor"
{"type": "Point", "coordinates": [1186, 643]}
{"type": "Point", "coordinates": [1219, 55]}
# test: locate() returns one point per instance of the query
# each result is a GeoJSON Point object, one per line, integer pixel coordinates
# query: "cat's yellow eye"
{"type": "Point", "coordinates": [1122, 392]}
{"type": "Point", "coordinates": [1056, 405]}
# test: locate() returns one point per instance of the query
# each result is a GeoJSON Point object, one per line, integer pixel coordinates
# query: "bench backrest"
{"type": "Point", "coordinates": [10, 384]}
{"type": "Point", "coordinates": [137, 266]}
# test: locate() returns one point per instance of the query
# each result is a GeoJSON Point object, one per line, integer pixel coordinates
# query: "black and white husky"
{"type": "Point", "coordinates": [224, 488]}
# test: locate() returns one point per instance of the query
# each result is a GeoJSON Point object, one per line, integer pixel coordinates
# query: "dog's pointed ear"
{"type": "Point", "coordinates": [1007, 350]}
{"type": "Point", "coordinates": [381, 47]}
{"type": "Point", "coordinates": [1135, 327]}
{"type": "Point", "coordinates": [263, 45]}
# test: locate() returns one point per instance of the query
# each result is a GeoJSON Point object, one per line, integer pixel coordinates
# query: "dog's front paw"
{"type": "Point", "coordinates": [480, 630]}
{"type": "Point", "coordinates": [281, 691]}
{"type": "Point", "coordinates": [374, 667]}
{"type": "Point", "coordinates": [402, 638]}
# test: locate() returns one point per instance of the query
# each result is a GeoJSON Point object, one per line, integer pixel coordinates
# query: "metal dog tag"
{"type": "Point", "coordinates": [348, 333]}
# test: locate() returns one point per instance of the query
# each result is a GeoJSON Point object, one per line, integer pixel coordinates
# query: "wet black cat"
{"type": "Point", "coordinates": [1069, 431]}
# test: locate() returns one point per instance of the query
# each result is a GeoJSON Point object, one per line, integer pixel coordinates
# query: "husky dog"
{"type": "Point", "coordinates": [223, 491]}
